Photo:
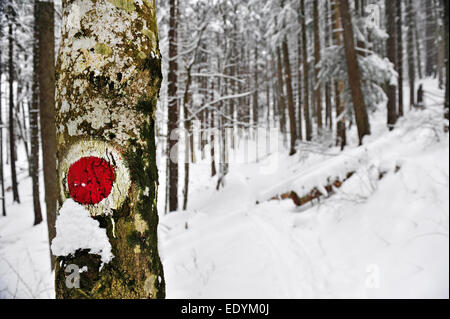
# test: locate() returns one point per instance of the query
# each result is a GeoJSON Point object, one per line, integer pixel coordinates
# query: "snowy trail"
{"type": "Point", "coordinates": [373, 239]}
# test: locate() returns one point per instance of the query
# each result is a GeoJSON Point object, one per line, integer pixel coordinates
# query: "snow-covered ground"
{"type": "Point", "coordinates": [373, 238]}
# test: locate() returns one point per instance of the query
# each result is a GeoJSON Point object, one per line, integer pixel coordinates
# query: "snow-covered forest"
{"type": "Point", "coordinates": [224, 149]}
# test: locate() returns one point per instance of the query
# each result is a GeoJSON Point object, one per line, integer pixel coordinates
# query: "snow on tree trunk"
{"type": "Point", "coordinates": [108, 80]}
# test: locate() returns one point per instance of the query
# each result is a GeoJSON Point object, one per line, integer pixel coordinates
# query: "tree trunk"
{"type": "Point", "coordinates": [299, 83]}
{"type": "Point", "coordinates": [391, 48]}
{"type": "Point", "coordinates": [447, 71]}
{"type": "Point", "coordinates": [354, 77]}
{"type": "Point", "coordinates": [430, 42]}
{"type": "Point", "coordinates": [418, 49]}
{"type": "Point", "coordinates": [318, 92]}
{"type": "Point", "coordinates": [305, 74]}
{"type": "Point", "coordinates": [105, 119]}
{"type": "Point", "coordinates": [328, 106]}
{"type": "Point", "coordinates": [290, 97]}
{"type": "Point", "coordinates": [400, 57]}
{"type": "Point", "coordinates": [410, 49]}
{"type": "Point", "coordinates": [34, 126]}
{"type": "Point", "coordinates": [46, 24]}
{"type": "Point", "coordinates": [281, 97]}
{"type": "Point", "coordinates": [2, 179]}
{"type": "Point", "coordinates": [255, 93]}
{"type": "Point", "coordinates": [341, 134]}
{"type": "Point", "coordinates": [12, 140]}
{"type": "Point", "coordinates": [172, 127]}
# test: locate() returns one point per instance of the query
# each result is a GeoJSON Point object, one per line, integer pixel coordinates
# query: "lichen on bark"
{"type": "Point", "coordinates": [108, 81]}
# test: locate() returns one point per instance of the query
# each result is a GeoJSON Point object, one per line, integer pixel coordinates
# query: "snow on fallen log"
{"type": "Point", "coordinates": [321, 179]}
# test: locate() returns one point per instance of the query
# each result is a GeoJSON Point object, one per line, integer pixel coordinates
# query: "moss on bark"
{"type": "Point", "coordinates": [108, 81]}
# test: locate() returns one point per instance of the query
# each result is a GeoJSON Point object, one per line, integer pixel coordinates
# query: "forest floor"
{"type": "Point", "coordinates": [371, 238]}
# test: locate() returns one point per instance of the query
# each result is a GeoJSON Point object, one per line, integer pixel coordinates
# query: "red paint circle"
{"type": "Point", "coordinates": [90, 180]}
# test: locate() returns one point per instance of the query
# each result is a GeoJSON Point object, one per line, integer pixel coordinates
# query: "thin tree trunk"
{"type": "Point", "coordinates": [46, 72]}
{"type": "Point", "coordinates": [354, 77]}
{"type": "Point", "coordinates": [328, 106]}
{"type": "Point", "coordinates": [400, 57]}
{"type": "Point", "coordinates": [34, 114]}
{"type": "Point", "coordinates": [447, 71]}
{"type": "Point", "coordinates": [12, 140]}
{"type": "Point", "coordinates": [212, 135]}
{"type": "Point", "coordinates": [173, 108]}
{"type": "Point", "coordinates": [318, 91]}
{"type": "Point", "coordinates": [255, 93]}
{"type": "Point", "coordinates": [106, 137]}
{"type": "Point", "coordinates": [430, 42]}
{"type": "Point", "coordinates": [418, 50]}
{"type": "Point", "coordinates": [2, 180]}
{"type": "Point", "coordinates": [299, 84]}
{"type": "Point", "coordinates": [305, 73]}
{"type": "Point", "coordinates": [290, 97]}
{"type": "Point", "coordinates": [341, 134]}
{"type": "Point", "coordinates": [410, 49]}
{"type": "Point", "coordinates": [281, 96]}
{"type": "Point", "coordinates": [391, 48]}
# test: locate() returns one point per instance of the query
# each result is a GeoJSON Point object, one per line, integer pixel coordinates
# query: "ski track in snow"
{"type": "Point", "coordinates": [227, 246]}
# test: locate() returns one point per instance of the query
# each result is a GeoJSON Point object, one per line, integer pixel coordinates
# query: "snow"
{"type": "Point", "coordinates": [77, 230]}
{"type": "Point", "coordinates": [373, 238]}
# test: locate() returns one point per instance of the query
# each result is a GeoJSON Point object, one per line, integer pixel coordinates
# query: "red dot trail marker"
{"type": "Point", "coordinates": [90, 180]}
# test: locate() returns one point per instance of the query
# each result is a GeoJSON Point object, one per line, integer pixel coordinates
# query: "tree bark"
{"type": "Point", "coordinates": [341, 134]}
{"type": "Point", "coordinates": [2, 179]}
{"type": "Point", "coordinates": [410, 50]}
{"type": "Point", "coordinates": [108, 79]}
{"type": "Point", "coordinates": [354, 76]}
{"type": "Point", "coordinates": [318, 92]}
{"type": "Point", "coordinates": [281, 97]}
{"type": "Point", "coordinates": [299, 83]}
{"type": "Point", "coordinates": [172, 127]}
{"type": "Point", "coordinates": [46, 72]}
{"type": "Point", "coordinates": [400, 57]}
{"type": "Point", "coordinates": [12, 140]}
{"type": "Point", "coordinates": [34, 114]}
{"type": "Point", "coordinates": [430, 42]}
{"type": "Point", "coordinates": [447, 71]}
{"type": "Point", "coordinates": [290, 96]}
{"type": "Point", "coordinates": [391, 49]}
{"type": "Point", "coordinates": [305, 73]}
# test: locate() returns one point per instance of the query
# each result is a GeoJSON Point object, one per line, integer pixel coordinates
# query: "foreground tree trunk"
{"type": "Point", "coordinates": [46, 25]}
{"type": "Point", "coordinates": [108, 81]}
{"type": "Point", "coordinates": [354, 76]}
